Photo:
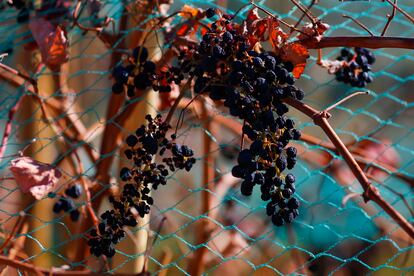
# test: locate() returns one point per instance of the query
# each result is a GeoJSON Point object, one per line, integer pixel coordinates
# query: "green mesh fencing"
{"type": "Point", "coordinates": [336, 232]}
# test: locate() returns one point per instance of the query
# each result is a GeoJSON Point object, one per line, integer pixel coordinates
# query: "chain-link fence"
{"type": "Point", "coordinates": [336, 231]}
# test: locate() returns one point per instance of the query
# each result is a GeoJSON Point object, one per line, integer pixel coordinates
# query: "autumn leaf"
{"type": "Point", "coordinates": [258, 29]}
{"type": "Point", "coordinates": [276, 35]}
{"type": "Point", "coordinates": [252, 15]}
{"type": "Point", "coordinates": [51, 40]}
{"type": "Point", "coordinates": [183, 30]}
{"type": "Point", "coordinates": [297, 54]}
{"type": "Point", "coordinates": [34, 176]}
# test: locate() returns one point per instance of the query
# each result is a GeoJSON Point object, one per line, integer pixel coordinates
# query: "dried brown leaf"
{"type": "Point", "coordinates": [332, 65]}
{"type": "Point", "coordinates": [34, 176]}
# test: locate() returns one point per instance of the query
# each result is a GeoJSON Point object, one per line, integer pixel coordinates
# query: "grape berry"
{"type": "Point", "coordinates": [66, 204]}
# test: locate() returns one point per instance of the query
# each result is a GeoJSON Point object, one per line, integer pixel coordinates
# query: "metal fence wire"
{"type": "Point", "coordinates": [336, 231]}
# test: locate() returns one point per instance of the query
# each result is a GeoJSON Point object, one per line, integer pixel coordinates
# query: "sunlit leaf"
{"type": "Point", "coordinates": [297, 54]}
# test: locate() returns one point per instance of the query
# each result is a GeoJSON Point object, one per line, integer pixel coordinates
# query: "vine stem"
{"type": "Point", "coordinates": [390, 17]}
{"type": "Point", "coordinates": [320, 118]}
{"type": "Point", "coordinates": [373, 42]}
{"type": "Point", "coordinates": [236, 127]}
{"type": "Point", "coordinates": [395, 6]}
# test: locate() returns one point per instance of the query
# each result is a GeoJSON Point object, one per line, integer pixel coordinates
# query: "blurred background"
{"type": "Point", "coordinates": [335, 233]}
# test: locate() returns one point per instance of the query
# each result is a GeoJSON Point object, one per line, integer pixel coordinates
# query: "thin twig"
{"type": "Point", "coordinates": [106, 38]}
{"type": "Point", "coordinates": [278, 19]}
{"type": "Point", "coordinates": [305, 11]}
{"type": "Point", "coordinates": [346, 99]}
{"type": "Point", "coordinates": [346, 198]}
{"type": "Point", "coordinates": [370, 192]}
{"type": "Point", "coordinates": [149, 250]}
{"type": "Point", "coordinates": [356, 21]}
{"type": "Point", "coordinates": [401, 11]}
{"type": "Point", "coordinates": [183, 89]}
{"type": "Point", "coordinates": [16, 226]}
{"type": "Point", "coordinates": [389, 19]}
{"type": "Point", "coordinates": [80, 172]}
{"type": "Point", "coordinates": [56, 106]}
{"type": "Point", "coordinates": [302, 16]}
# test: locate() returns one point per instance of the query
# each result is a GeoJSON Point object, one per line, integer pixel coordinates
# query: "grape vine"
{"type": "Point", "coordinates": [253, 84]}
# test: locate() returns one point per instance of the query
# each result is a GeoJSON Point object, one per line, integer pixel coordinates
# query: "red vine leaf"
{"type": "Point", "coordinates": [255, 28]}
{"type": "Point", "coordinates": [297, 54]}
{"type": "Point", "coordinates": [34, 176]}
{"type": "Point", "coordinates": [183, 30]}
{"type": "Point", "coordinates": [260, 29]}
{"type": "Point", "coordinates": [276, 35]}
{"type": "Point", "coordinates": [51, 40]}
{"type": "Point", "coordinates": [256, 31]}
{"type": "Point", "coordinates": [252, 15]}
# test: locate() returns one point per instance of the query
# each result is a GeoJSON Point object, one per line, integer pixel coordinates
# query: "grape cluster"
{"type": "Point", "coordinates": [137, 73]}
{"type": "Point", "coordinates": [141, 73]}
{"type": "Point", "coordinates": [148, 141]}
{"type": "Point", "coordinates": [357, 66]}
{"type": "Point", "coordinates": [252, 84]}
{"type": "Point", "coordinates": [66, 203]}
